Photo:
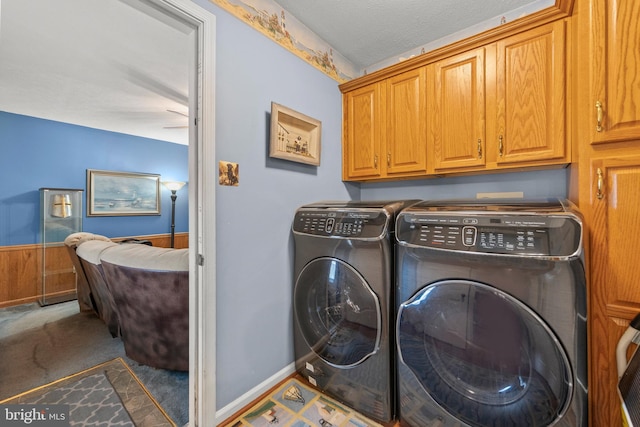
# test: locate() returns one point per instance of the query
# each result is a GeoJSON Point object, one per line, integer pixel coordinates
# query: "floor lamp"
{"type": "Point", "coordinates": [174, 186]}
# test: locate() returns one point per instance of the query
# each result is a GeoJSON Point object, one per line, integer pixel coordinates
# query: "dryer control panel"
{"type": "Point", "coordinates": [362, 223]}
{"type": "Point", "coordinates": [499, 234]}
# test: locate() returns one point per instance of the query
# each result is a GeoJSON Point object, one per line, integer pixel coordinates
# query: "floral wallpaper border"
{"type": "Point", "coordinates": [274, 22]}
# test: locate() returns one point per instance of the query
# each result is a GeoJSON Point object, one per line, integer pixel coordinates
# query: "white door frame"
{"type": "Point", "coordinates": [202, 224]}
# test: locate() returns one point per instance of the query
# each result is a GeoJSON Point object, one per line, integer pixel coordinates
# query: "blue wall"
{"type": "Point", "coordinates": [42, 153]}
{"type": "Point", "coordinates": [254, 246]}
{"type": "Point", "coordinates": [534, 185]}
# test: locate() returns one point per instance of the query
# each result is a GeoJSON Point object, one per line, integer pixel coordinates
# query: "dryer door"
{"type": "Point", "coordinates": [337, 312]}
{"type": "Point", "coordinates": [483, 356]}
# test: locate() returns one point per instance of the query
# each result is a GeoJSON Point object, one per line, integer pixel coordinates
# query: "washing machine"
{"type": "Point", "coordinates": [491, 317]}
{"type": "Point", "coordinates": [342, 302]}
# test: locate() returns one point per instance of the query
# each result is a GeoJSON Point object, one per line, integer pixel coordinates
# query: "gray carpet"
{"type": "Point", "coordinates": [92, 401]}
{"type": "Point", "coordinates": [48, 343]}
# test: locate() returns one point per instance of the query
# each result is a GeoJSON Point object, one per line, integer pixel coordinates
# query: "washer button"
{"type": "Point", "coordinates": [469, 235]}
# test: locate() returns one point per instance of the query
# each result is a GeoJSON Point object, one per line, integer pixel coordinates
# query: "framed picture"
{"type": "Point", "coordinates": [122, 193]}
{"type": "Point", "coordinates": [294, 136]}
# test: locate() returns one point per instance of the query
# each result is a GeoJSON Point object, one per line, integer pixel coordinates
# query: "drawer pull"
{"type": "Point", "coordinates": [600, 183]}
{"type": "Point", "coordinates": [599, 116]}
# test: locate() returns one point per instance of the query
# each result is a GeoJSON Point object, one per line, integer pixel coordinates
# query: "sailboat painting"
{"type": "Point", "coordinates": [122, 193]}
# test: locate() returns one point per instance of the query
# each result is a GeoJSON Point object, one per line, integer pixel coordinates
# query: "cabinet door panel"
{"type": "Point", "coordinates": [616, 220]}
{"type": "Point", "coordinates": [406, 149]}
{"type": "Point", "coordinates": [614, 291]}
{"type": "Point", "coordinates": [362, 132]}
{"type": "Point", "coordinates": [459, 111]}
{"type": "Point", "coordinates": [615, 36]}
{"type": "Point", "coordinates": [530, 85]}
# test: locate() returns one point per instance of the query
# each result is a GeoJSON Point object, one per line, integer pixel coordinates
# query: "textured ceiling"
{"type": "Point", "coordinates": [369, 31]}
{"type": "Point", "coordinates": [108, 65]}
{"type": "Point", "coordinates": [96, 63]}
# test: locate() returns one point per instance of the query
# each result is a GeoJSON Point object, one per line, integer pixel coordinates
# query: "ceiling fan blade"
{"type": "Point", "coordinates": [178, 112]}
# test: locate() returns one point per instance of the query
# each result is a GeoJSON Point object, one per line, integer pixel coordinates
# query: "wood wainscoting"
{"type": "Point", "coordinates": [21, 268]}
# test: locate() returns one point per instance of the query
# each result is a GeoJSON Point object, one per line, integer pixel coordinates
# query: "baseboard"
{"type": "Point", "coordinates": [232, 408]}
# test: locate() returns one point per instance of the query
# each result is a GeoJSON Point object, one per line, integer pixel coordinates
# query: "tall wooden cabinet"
{"type": "Point", "coordinates": [615, 86]}
{"type": "Point", "coordinates": [607, 126]}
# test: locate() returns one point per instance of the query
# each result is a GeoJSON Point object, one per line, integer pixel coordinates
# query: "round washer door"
{"type": "Point", "coordinates": [483, 356]}
{"type": "Point", "coordinates": [337, 312]}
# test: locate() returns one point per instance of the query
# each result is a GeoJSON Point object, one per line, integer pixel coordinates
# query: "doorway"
{"type": "Point", "coordinates": [202, 331]}
{"type": "Point", "coordinates": [200, 28]}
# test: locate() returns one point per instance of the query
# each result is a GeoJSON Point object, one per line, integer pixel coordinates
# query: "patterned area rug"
{"type": "Point", "coordinates": [106, 395]}
{"type": "Point", "coordinates": [295, 404]}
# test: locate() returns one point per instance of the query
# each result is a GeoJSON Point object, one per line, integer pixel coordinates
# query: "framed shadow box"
{"type": "Point", "coordinates": [294, 136]}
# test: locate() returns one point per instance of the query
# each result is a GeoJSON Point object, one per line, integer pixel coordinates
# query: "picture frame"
{"type": "Point", "coordinates": [294, 136]}
{"type": "Point", "coordinates": [111, 193]}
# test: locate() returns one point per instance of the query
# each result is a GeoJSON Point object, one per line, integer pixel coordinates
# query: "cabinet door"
{"type": "Point", "coordinates": [614, 290]}
{"type": "Point", "coordinates": [615, 35]}
{"type": "Point", "coordinates": [530, 95]}
{"type": "Point", "coordinates": [458, 114]}
{"type": "Point", "coordinates": [361, 145]}
{"type": "Point", "coordinates": [406, 138]}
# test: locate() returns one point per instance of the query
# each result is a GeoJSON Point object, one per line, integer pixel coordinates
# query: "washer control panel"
{"type": "Point", "coordinates": [506, 234]}
{"type": "Point", "coordinates": [361, 223]}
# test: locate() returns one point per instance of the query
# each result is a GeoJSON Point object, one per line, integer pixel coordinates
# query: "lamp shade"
{"type": "Point", "coordinates": [173, 185]}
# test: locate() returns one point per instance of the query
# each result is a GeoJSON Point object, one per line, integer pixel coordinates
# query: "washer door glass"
{"type": "Point", "coordinates": [484, 356]}
{"type": "Point", "coordinates": [337, 312]}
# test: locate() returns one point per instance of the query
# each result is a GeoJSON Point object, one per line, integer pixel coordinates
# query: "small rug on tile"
{"type": "Point", "coordinates": [295, 404]}
{"type": "Point", "coordinates": [106, 395]}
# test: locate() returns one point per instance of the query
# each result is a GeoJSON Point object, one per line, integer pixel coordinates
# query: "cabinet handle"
{"type": "Point", "coordinates": [599, 191]}
{"type": "Point", "coordinates": [479, 148]}
{"type": "Point", "coordinates": [599, 116]}
{"type": "Point", "coordinates": [388, 159]}
{"type": "Point", "coordinates": [375, 161]}
{"type": "Point", "coordinates": [500, 145]}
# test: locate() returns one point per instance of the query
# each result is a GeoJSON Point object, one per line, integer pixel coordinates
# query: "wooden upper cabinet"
{"type": "Point", "coordinates": [457, 111]}
{"type": "Point", "coordinates": [362, 127]}
{"type": "Point", "coordinates": [385, 128]}
{"type": "Point", "coordinates": [530, 87]}
{"type": "Point", "coordinates": [495, 106]}
{"type": "Point", "coordinates": [405, 142]}
{"type": "Point", "coordinates": [615, 85]}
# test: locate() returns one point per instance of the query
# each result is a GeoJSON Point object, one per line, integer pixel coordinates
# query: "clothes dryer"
{"type": "Point", "coordinates": [342, 302]}
{"type": "Point", "coordinates": [491, 320]}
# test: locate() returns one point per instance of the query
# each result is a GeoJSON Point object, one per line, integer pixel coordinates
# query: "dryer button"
{"type": "Point", "coordinates": [329, 225]}
{"type": "Point", "coordinates": [469, 236]}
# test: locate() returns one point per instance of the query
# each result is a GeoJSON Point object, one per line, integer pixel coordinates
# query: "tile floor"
{"type": "Point", "coordinates": [295, 404]}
